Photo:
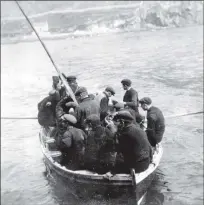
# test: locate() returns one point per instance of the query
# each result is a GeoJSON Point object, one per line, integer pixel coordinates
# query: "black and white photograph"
{"type": "Point", "coordinates": [102, 103]}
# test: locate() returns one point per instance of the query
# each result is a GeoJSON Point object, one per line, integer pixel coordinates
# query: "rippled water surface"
{"type": "Point", "coordinates": [165, 65]}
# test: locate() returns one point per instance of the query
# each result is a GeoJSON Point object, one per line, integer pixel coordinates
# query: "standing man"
{"type": "Point", "coordinates": [130, 98]}
{"type": "Point", "coordinates": [104, 103]}
{"type": "Point", "coordinates": [155, 121]}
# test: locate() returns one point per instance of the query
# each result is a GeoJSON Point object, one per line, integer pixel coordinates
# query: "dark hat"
{"type": "Point", "coordinates": [70, 118]}
{"type": "Point", "coordinates": [71, 78]}
{"type": "Point", "coordinates": [110, 89]}
{"type": "Point", "coordinates": [146, 100]}
{"type": "Point", "coordinates": [93, 119]}
{"type": "Point", "coordinates": [126, 82]}
{"type": "Point", "coordinates": [125, 115]}
{"type": "Point", "coordinates": [81, 90]}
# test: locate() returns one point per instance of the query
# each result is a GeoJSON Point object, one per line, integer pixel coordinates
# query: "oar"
{"type": "Point", "coordinates": [134, 183]}
{"type": "Point", "coordinates": [68, 89]}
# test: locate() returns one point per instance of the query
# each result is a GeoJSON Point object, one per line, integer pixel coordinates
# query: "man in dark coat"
{"type": "Point", "coordinates": [132, 144]}
{"type": "Point", "coordinates": [72, 144]}
{"type": "Point", "coordinates": [86, 107]}
{"type": "Point", "coordinates": [99, 153]}
{"type": "Point", "coordinates": [155, 121]}
{"type": "Point", "coordinates": [46, 109]}
{"type": "Point", "coordinates": [104, 103]}
{"type": "Point", "coordinates": [130, 98]}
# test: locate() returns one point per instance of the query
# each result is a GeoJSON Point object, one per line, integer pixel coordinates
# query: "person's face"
{"type": "Point", "coordinates": [59, 86]}
{"type": "Point", "coordinates": [109, 94]}
{"type": "Point", "coordinates": [144, 106]}
{"type": "Point", "coordinates": [73, 86]}
{"type": "Point", "coordinates": [125, 87]}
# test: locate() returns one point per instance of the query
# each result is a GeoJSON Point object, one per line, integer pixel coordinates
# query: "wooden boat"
{"type": "Point", "coordinates": [144, 179]}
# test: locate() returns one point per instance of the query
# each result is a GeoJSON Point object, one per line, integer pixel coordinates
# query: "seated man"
{"type": "Point", "coordinates": [86, 107]}
{"type": "Point", "coordinates": [72, 144]}
{"type": "Point", "coordinates": [155, 121]}
{"type": "Point", "coordinates": [99, 153]}
{"type": "Point", "coordinates": [46, 109]}
{"type": "Point", "coordinates": [132, 144]}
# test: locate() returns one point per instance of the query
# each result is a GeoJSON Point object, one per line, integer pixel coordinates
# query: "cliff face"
{"type": "Point", "coordinates": [140, 15]}
{"type": "Point", "coordinates": [178, 13]}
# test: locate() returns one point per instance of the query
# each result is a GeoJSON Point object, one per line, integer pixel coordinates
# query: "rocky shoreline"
{"type": "Point", "coordinates": [144, 15]}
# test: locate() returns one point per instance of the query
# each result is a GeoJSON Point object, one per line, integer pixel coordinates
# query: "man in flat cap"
{"type": "Point", "coordinates": [132, 144]}
{"type": "Point", "coordinates": [130, 98]}
{"type": "Point", "coordinates": [105, 104]}
{"type": "Point", "coordinates": [72, 144]}
{"type": "Point", "coordinates": [71, 80]}
{"type": "Point", "coordinates": [87, 106]}
{"type": "Point", "coordinates": [155, 121]}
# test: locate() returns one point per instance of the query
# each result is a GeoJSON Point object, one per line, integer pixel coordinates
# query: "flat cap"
{"type": "Point", "coordinates": [71, 78]}
{"type": "Point", "coordinates": [146, 100]}
{"type": "Point", "coordinates": [70, 118]}
{"type": "Point", "coordinates": [125, 115]}
{"type": "Point", "coordinates": [110, 89]}
{"type": "Point", "coordinates": [126, 82]}
{"type": "Point", "coordinates": [81, 90]}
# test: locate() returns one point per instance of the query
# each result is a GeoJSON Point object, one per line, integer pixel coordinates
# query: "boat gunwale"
{"type": "Point", "coordinates": [118, 179]}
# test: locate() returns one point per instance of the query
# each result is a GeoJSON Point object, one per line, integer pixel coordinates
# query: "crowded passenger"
{"type": "Point", "coordinates": [105, 135]}
{"type": "Point", "coordinates": [46, 109]}
{"type": "Point", "coordinates": [155, 121]}
{"type": "Point", "coordinates": [72, 144]}
{"type": "Point", "coordinates": [132, 144]}
{"type": "Point", "coordinates": [105, 104]}
{"type": "Point", "coordinates": [86, 107]}
{"type": "Point", "coordinates": [58, 86]}
{"type": "Point", "coordinates": [99, 153]}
